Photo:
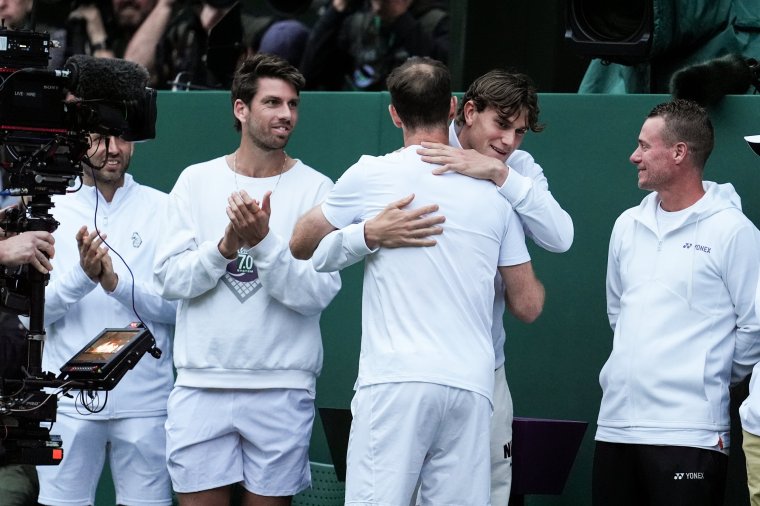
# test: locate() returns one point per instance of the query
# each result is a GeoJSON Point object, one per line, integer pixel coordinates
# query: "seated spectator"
{"type": "Point", "coordinates": [194, 45]}
{"type": "Point", "coordinates": [105, 29]}
{"type": "Point", "coordinates": [355, 48]}
{"type": "Point", "coordinates": [286, 39]}
{"type": "Point", "coordinates": [197, 44]}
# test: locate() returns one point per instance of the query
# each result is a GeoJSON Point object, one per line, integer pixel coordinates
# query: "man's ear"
{"type": "Point", "coordinates": [680, 150]}
{"type": "Point", "coordinates": [468, 111]}
{"type": "Point", "coordinates": [395, 117]}
{"type": "Point", "coordinates": [240, 110]}
{"type": "Point", "coordinates": [453, 108]}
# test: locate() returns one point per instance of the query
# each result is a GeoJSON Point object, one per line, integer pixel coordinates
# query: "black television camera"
{"type": "Point", "coordinates": [46, 117]}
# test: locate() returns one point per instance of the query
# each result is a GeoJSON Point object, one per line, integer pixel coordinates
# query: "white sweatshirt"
{"type": "Point", "coordinates": [77, 309]}
{"type": "Point", "coordinates": [681, 305]}
{"type": "Point", "coordinates": [252, 322]}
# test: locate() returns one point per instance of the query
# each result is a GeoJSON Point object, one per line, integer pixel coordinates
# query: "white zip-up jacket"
{"type": "Point", "coordinates": [682, 309]}
{"type": "Point", "coordinates": [77, 308]}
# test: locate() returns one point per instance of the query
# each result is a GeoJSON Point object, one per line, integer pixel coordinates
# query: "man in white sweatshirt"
{"type": "Point", "coordinates": [681, 278]}
{"type": "Point", "coordinates": [90, 290]}
{"type": "Point", "coordinates": [248, 348]}
{"type": "Point", "coordinates": [483, 143]}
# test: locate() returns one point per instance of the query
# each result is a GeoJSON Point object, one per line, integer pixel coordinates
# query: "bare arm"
{"type": "Point", "coordinates": [523, 292]}
{"type": "Point", "coordinates": [311, 228]}
{"type": "Point", "coordinates": [142, 46]}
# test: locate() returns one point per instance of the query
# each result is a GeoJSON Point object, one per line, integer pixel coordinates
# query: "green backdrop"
{"type": "Point", "coordinates": [552, 364]}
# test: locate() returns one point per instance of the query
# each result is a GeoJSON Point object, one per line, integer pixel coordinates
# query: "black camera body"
{"type": "Point", "coordinates": [46, 117]}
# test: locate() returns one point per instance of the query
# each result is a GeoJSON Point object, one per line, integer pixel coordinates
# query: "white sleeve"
{"type": "Point", "coordinates": [341, 248]}
{"type": "Point", "coordinates": [292, 282]}
{"type": "Point", "coordinates": [741, 272]}
{"type": "Point", "coordinates": [543, 219]}
{"type": "Point", "coordinates": [513, 250]}
{"type": "Point", "coordinates": [344, 204]}
{"type": "Point", "coordinates": [148, 304]}
{"type": "Point", "coordinates": [614, 281]}
{"type": "Point", "coordinates": [183, 268]}
{"type": "Point", "coordinates": [64, 291]}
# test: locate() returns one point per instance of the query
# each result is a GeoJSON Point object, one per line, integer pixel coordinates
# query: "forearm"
{"type": "Point", "coordinates": [142, 46]}
{"type": "Point", "coordinates": [311, 228]}
{"type": "Point", "coordinates": [523, 293]}
{"type": "Point", "coordinates": [527, 307]}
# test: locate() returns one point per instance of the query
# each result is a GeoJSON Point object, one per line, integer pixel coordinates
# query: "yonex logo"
{"type": "Point", "coordinates": [697, 247]}
{"type": "Point", "coordinates": [689, 476]}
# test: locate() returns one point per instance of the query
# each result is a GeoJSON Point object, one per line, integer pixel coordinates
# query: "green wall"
{"type": "Point", "coordinates": [553, 364]}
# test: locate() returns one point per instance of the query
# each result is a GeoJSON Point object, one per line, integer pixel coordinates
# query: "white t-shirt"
{"type": "Point", "coordinates": [427, 312]}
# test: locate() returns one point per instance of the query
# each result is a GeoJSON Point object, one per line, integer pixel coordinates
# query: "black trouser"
{"type": "Point", "coordinates": [648, 475]}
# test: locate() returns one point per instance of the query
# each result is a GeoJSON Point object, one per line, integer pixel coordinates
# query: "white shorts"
{"type": "Point", "coordinates": [501, 439]}
{"type": "Point", "coordinates": [218, 437]}
{"type": "Point", "coordinates": [405, 431]}
{"type": "Point", "coordinates": [136, 456]}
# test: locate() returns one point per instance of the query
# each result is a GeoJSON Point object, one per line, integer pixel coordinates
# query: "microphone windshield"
{"type": "Point", "coordinates": [708, 82]}
{"type": "Point", "coordinates": [110, 79]}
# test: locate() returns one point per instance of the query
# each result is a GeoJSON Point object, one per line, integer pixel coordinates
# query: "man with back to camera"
{"type": "Point", "coordinates": [426, 368]}
{"type": "Point", "coordinates": [483, 143]}
{"type": "Point", "coordinates": [89, 291]}
{"type": "Point", "coordinates": [248, 344]}
{"type": "Point", "coordinates": [681, 278]}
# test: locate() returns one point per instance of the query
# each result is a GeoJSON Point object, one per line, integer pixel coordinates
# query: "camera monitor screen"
{"type": "Point", "coordinates": [106, 358]}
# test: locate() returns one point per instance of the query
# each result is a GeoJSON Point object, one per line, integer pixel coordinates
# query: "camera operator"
{"type": "Point", "coordinates": [33, 248]}
{"type": "Point", "coordinates": [18, 483]}
{"type": "Point", "coordinates": [88, 291]}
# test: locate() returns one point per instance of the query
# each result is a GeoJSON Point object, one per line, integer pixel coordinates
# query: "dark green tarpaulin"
{"type": "Point", "coordinates": [686, 32]}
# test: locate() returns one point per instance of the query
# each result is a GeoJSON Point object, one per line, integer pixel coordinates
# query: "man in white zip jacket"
{"type": "Point", "coordinates": [248, 347]}
{"type": "Point", "coordinates": [483, 144]}
{"type": "Point", "coordinates": [89, 291]}
{"type": "Point", "coordinates": [681, 278]}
